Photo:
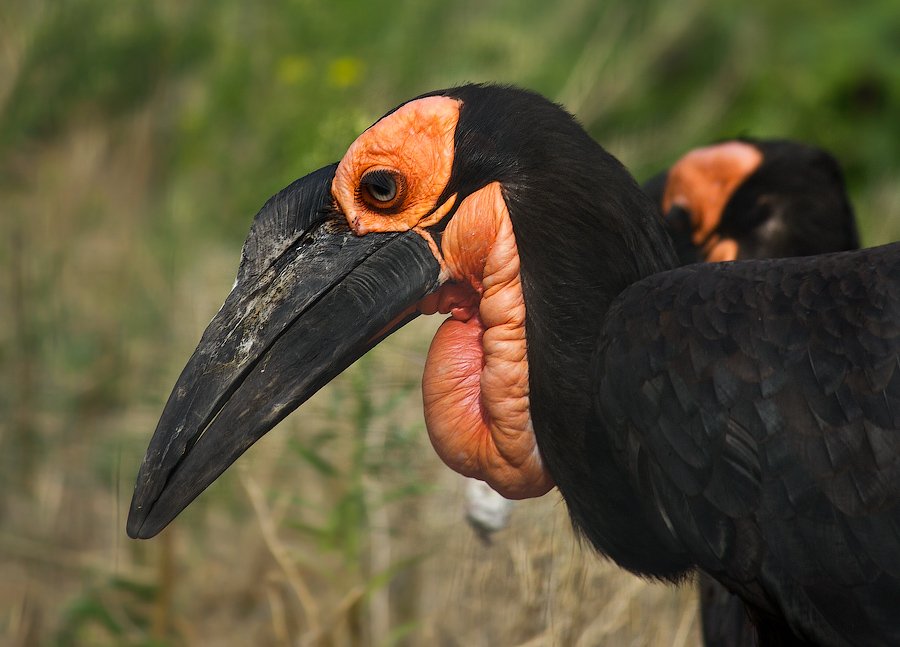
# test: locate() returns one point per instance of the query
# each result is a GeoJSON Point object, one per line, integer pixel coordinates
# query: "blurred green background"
{"type": "Point", "coordinates": [136, 142]}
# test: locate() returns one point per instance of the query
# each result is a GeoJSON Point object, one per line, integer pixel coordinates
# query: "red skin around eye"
{"type": "Point", "coordinates": [415, 142]}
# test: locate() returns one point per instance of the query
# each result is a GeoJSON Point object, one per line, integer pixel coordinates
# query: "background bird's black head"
{"type": "Point", "coordinates": [795, 204]}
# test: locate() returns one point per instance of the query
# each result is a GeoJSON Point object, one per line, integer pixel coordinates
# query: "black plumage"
{"type": "Point", "coordinates": [700, 367]}
{"type": "Point", "coordinates": [800, 189]}
{"type": "Point", "coordinates": [774, 456]}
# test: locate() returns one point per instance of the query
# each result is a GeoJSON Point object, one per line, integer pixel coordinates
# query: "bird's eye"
{"type": "Point", "coordinates": [382, 189]}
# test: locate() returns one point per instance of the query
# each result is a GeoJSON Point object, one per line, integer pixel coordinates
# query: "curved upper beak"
{"type": "Point", "coordinates": [311, 298]}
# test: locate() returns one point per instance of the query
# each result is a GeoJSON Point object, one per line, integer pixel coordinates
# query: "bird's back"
{"type": "Point", "coordinates": [755, 406]}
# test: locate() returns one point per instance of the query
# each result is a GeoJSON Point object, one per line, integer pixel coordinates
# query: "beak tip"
{"type": "Point", "coordinates": [143, 509]}
{"type": "Point", "coordinates": [141, 525]}
{"type": "Point", "coordinates": [133, 527]}
{"type": "Point", "coordinates": [136, 519]}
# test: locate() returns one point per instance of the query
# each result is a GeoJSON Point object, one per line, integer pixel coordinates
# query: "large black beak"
{"type": "Point", "coordinates": [311, 297]}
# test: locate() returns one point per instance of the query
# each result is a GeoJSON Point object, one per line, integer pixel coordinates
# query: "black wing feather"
{"type": "Point", "coordinates": [763, 399]}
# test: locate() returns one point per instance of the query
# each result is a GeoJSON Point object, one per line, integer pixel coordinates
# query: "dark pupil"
{"type": "Point", "coordinates": [381, 185]}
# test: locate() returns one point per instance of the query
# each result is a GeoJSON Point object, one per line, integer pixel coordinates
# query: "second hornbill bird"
{"type": "Point", "coordinates": [751, 198]}
{"type": "Point", "coordinates": [740, 418]}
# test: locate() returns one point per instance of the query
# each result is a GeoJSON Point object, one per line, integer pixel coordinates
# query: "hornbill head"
{"type": "Point", "coordinates": [752, 198]}
{"type": "Point", "coordinates": [487, 203]}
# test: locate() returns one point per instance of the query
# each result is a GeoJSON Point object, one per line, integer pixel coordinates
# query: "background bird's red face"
{"type": "Point", "coordinates": [701, 182]}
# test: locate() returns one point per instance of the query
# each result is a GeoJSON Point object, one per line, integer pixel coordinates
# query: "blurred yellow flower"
{"type": "Point", "coordinates": [292, 69]}
{"type": "Point", "coordinates": [345, 71]}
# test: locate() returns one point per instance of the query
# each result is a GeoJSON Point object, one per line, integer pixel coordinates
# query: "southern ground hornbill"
{"type": "Point", "coordinates": [750, 198]}
{"type": "Point", "coordinates": [744, 199]}
{"type": "Point", "coordinates": [737, 418]}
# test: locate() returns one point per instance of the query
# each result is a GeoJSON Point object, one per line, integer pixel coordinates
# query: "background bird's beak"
{"type": "Point", "coordinates": [681, 231]}
{"type": "Point", "coordinates": [311, 298]}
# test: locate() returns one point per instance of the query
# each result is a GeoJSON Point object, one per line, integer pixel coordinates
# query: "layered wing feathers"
{"type": "Point", "coordinates": [756, 405]}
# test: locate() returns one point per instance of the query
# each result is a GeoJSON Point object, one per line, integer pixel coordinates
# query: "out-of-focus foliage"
{"type": "Point", "coordinates": [262, 93]}
{"type": "Point", "coordinates": [137, 140]}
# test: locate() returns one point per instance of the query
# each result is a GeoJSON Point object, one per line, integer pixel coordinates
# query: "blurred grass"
{"type": "Point", "coordinates": [137, 140]}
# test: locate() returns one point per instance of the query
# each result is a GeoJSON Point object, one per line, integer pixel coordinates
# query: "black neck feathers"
{"type": "Point", "coordinates": [585, 231]}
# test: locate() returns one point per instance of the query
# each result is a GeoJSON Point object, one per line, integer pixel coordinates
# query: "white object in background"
{"type": "Point", "coordinates": [486, 511]}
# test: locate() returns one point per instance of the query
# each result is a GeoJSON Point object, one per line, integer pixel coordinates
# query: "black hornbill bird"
{"type": "Point", "coordinates": [751, 198]}
{"type": "Point", "coordinates": [736, 418]}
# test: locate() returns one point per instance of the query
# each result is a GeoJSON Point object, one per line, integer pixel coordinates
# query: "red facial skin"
{"type": "Point", "coordinates": [702, 182]}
